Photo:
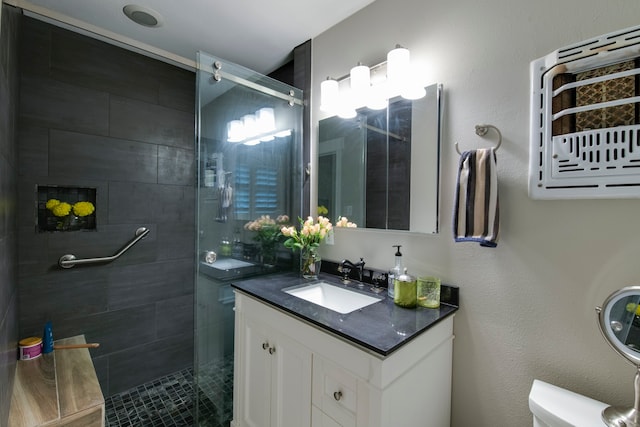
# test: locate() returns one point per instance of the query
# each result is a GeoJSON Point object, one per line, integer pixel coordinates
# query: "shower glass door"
{"type": "Point", "coordinates": [249, 142]}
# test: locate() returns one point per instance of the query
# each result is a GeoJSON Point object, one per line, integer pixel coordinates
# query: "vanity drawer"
{"type": "Point", "coordinates": [335, 392]}
{"type": "Point", "coordinates": [320, 419]}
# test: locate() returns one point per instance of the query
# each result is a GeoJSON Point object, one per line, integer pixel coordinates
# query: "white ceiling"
{"type": "Point", "coordinates": [259, 35]}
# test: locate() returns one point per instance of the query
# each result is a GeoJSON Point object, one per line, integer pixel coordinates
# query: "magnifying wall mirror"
{"type": "Point", "coordinates": [381, 168]}
{"type": "Point", "coordinates": [619, 321]}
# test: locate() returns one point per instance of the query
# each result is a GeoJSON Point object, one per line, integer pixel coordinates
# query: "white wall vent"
{"type": "Point", "coordinates": [585, 120]}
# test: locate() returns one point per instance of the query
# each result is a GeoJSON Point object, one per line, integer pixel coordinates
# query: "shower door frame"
{"type": "Point", "coordinates": [212, 71]}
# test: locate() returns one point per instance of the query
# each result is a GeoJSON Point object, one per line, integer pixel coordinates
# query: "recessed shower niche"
{"type": "Point", "coordinates": [65, 208]}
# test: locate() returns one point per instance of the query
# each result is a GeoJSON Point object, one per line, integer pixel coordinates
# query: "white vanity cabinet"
{"type": "Point", "coordinates": [290, 373]}
{"type": "Point", "coordinates": [275, 376]}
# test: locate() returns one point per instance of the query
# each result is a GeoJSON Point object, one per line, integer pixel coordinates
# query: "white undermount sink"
{"type": "Point", "coordinates": [333, 297]}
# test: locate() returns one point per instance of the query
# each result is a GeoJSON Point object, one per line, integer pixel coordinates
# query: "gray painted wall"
{"type": "Point", "coordinates": [8, 239]}
{"type": "Point", "coordinates": [94, 115]}
{"type": "Point", "coordinates": [527, 306]}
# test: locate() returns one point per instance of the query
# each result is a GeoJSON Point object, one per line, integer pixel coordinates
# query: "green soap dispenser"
{"type": "Point", "coordinates": [405, 290]}
{"type": "Point", "coordinates": [395, 272]}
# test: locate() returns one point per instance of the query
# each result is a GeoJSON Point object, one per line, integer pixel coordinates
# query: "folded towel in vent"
{"type": "Point", "coordinates": [476, 214]}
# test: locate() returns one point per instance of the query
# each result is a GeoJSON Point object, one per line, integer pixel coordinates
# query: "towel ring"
{"type": "Point", "coordinates": [481, 130]}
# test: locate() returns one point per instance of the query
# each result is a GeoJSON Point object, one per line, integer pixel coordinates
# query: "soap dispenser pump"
{"type": "Point", "coordinates": [395, 272]}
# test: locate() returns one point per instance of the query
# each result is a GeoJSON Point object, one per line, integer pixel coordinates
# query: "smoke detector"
{"type": "Point", "coordinates": [143, 15]}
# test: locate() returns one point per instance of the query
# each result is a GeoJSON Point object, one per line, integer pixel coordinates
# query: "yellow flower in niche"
{"type": "Point", "coordinates": [83, 208]}
{"type": "Point", "coordinates": [61, 209]}
{"type": "Point", "coordinates": [51, 203]}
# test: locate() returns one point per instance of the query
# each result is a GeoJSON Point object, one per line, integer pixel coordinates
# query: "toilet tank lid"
{"type": "Point", "coordinates": [559, 407]}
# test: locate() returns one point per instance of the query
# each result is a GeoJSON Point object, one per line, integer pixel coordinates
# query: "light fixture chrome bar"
{"type": "Point", "coordinates": [373, 69]}
{"type": "Point", "coordinates": [384, 132]}
{"type": "Point", "coordinates": [69, 260]}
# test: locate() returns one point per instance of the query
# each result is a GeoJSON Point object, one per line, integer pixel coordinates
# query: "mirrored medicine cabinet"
{"type": "Point", "coordinates": [381, 169]}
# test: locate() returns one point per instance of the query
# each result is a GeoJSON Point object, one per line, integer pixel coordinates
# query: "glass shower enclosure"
{"type": "Point", "coordinates": [250, 176]}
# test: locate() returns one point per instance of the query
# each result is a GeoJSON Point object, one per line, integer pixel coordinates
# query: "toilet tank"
{"type": "Point", "coordinates": [553, 406]}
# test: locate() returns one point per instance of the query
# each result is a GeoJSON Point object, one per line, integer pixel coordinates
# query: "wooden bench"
{"type": "Point", "coordinates": [57, 389]}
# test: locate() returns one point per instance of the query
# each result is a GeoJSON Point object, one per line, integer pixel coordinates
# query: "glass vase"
{"type": "Point", "coordinates": [269, 255]}
{"type": "Point", "coordinates": [310, 263]}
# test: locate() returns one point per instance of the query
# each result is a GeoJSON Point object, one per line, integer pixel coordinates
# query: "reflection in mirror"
{"type": "Point", "coordinates": [381, 168]}
{"type": "Point", "coordinates": [619, 321]}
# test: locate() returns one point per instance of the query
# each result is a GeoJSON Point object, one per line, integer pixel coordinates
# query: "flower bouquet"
{"type": "Point", "coordinates": [343, 222]}
{"type": "Point", "coordinates": [308, 240]}
{"type": "Point", "coordinates": [70, 217]}
{"type": "Point", "coordinates": [268, 235]}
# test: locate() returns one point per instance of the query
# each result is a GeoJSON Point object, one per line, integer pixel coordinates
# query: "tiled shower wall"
{"type": "Point", "coordinates": [8, 238]}
{"type": "Point", "coordinates": [97, 116]}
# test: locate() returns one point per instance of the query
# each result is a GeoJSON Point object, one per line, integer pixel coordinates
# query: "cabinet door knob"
{"type": "Point", "coordinates": [272, 350]}
{"type": "Point", "coordinates": [265, 345]}
{"type": "Point", "coordinates": [337, 395]}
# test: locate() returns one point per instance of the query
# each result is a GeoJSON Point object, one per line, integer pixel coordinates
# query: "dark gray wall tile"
{"type": "Point", "coordinates": [8, 356]}
{"type": "Point", "coordinates": [61, 295]}
{"type": "Point", "coordinates": [144, 283]}
{"type": "Point", "coordinates": [93, 115]}
{"type": "Point", "coordinates": [131, 202]}
{"type": "Point", "coordinates": [32, 252]}
{"type": "Point", "coordinates": [153, 360]}
{"type": "Point", "coordinates": [7, 196]}
{"type": "Point", "coordinates": [94, 64]}
{"type": "Point", "coordinates": [157, 203]}
{"type": "Point", "coordinates": [176, 240]}
{"type": "Point", "coordinates": [176, 166]}
{"type": "Point", "coordinates": [50, 103]}
{"type": "Point", "coordinates": [9, 29]}
{"type": "Point", "coordinates": [176, 87]}
{"type": "Point", "coordinates": [33, 150]}
{"type": "Point", "coordinates": [101, 365]}
{"type": "Point", "coordinates": [131, 119]}
{"type": "Point", "coordinates": [116, 331]}
{"type": "Point", "coordinates": [174, 204]}
{"type": "Point", "coordinates": [35, 59]}
{"type": "Point", "coordinates": [95, 157]}
{"type": "Point", "coordinates": [175, 316]}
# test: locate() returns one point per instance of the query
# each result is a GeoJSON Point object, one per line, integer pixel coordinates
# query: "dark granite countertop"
{"type": "Point", "coordinates": [382, 327]}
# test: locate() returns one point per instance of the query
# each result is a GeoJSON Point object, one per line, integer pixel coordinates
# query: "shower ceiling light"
{"type": "Point", "coordinates": [143, 15]}
{"type": "Point", "coordinates": [252, 129]}
{"type": "Point", "coordinates": [399, 80]}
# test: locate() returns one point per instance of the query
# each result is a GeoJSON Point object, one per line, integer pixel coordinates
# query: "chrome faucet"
{"type": "Point", "coordinates": [346, 266]}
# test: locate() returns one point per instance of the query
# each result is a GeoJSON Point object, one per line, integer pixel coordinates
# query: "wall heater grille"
{"type": "Point", "coordinates": [585, 120]}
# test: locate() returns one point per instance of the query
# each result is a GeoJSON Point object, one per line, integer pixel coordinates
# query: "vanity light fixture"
{"type": "Point", "coordinates": [372, 86]}
{"type": "Point", "coordinates": [252, 129]}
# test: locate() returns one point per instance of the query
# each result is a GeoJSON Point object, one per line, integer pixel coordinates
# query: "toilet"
{"type": "Point", "coordinates": [553, 406]}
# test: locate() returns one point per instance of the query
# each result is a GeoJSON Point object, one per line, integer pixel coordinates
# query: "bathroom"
{"type": "Point", "coordinates": [527, 306]}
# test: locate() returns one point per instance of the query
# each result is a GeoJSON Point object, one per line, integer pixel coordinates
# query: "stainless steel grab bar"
{"type": "Point", "coordinates": [68, 261]}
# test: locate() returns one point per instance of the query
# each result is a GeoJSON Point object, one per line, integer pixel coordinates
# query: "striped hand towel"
{"type": "Point", "coordinates": [476, 215]}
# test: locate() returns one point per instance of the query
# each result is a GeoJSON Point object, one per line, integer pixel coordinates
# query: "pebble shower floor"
{"type": "Point", "coordinates": [169, 401]}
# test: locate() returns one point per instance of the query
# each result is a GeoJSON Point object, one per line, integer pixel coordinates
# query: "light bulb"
{"type": "Point", "coordinates": [235, 131]}
{"type": "Point", "coordinates": [283, 133]}
{"type": "Point", "coordinates": [377, 99]}
{"type": "Point", "coordinates": [346, 112]}
{"type": "Point", "coordinates": [265, 120]}
{"type": "Point", "coordinates": [398, 64]}
{"type": "Point", "coordinates": [413, 91]}
{"type": "Point", "coordinates": [329, 94]}
{"type": "Point", "coordinates": [249, 124]}
{"type": "Point", "coordinates": [360, 78]}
